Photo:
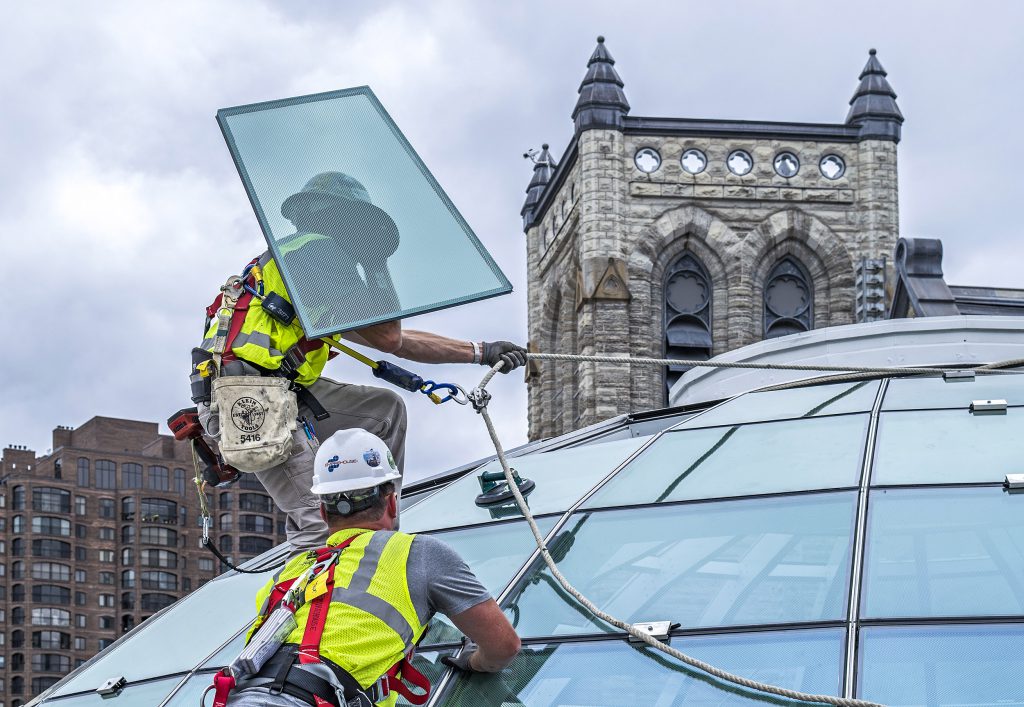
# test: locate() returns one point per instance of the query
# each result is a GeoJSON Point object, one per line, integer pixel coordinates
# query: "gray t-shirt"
{"type": "Point", "coordinates": [440, 580]}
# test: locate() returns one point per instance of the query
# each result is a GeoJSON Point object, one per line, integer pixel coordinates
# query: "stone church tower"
{"type": "Point", "coordinates": [685, 238]}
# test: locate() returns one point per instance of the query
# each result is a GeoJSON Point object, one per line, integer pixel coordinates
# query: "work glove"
{"type": "Point", "coordinates": [513, 355]}
{"type": "Point", "coordinates": [460, 663]}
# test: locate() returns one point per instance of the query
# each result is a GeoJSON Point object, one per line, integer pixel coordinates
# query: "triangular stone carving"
{"type": "Point", "coordinates": [613, 285]}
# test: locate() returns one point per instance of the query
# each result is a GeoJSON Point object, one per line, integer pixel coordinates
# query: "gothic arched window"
{"type": "Point", "coordinates": [788, 297]}
{"type": "Point", "coordinates": [687, 314]}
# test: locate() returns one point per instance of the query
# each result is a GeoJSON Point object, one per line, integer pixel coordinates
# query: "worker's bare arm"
{"type": "Point", "coordinates": [421, 346]}
{"type": "Point", "coordinates": [489, 628]}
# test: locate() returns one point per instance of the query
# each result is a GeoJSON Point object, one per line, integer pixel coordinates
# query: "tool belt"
{"type": "Point", "coordinates": [314, 684]}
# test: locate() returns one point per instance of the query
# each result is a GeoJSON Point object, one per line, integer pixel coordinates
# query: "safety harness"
{"type": "Point", "coordinates": [306, 680]}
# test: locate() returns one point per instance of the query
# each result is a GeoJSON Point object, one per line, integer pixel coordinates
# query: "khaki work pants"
{"type": "Point", "coordinates": [376, 410]}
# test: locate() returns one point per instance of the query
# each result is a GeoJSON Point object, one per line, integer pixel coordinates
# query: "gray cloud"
{"type": "Point", "coordinates": [120, 211]}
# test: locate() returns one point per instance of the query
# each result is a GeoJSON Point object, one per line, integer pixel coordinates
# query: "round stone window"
{"type": "Point", "coordinates": [740, 162]}
{"type": "Point", "coordinates": [832, 166]}
{"type": "Point", "coordinates": [693, 161]}
{"type": "Point", "coordinates": [786, 164]}
{"type": "Point", "coordinates": [787, 296]}
{"type": "Point", "coordinates": [687, 292]}
{"type": "Point", "coordinates": [647, 160]}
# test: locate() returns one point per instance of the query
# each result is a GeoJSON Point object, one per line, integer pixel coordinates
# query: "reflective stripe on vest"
{"type": "Point", "coordinates": [371, 621]}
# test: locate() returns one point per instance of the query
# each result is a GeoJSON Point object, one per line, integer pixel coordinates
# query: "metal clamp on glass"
{"type": "Point", "coordinates": [494, 489]}
{"type": "Point", "coordinates": [988, 407]}
{"type": "Point", "coordinates": [1014, 483]}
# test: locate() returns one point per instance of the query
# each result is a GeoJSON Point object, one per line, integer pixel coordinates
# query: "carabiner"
{"type": "Point", "coordinates": [453, 391]}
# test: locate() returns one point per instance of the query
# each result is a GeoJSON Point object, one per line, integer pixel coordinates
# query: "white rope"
{"type": "Point", "coordinates": [590, 606]}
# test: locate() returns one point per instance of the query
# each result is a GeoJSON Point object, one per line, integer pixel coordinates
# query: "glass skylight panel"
{"type": "Point", "coordinates": [941, 665]}
{"type": "Point", "coordinates": [148, 693]}
{"type": "Point", "coordinates": [948, 446]}
{"type": "Point", "coordinates": [180, 637]}
{"type": "Point", "coordinates": [494, 553]}
{"type": "Point", "coordinates": [944, 552]}
{"type": "Point", "coordinates": [809, 401]}
{"type": "Point", "coordinates": [934, 392]}
{"type": "Point", "coordinates": [561, 478]}
{"type": "Point", "coordinates": [725, 563]}
{"type": "Point", "coordinates": [359, 228]}
{"type": "Point", "coordinates": [617, 673]}
{"type": "Point", "coordinates": [742, 460]}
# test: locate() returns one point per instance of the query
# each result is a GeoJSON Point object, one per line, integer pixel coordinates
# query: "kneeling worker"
{"type": "Point", "coordinates": [371, 601]}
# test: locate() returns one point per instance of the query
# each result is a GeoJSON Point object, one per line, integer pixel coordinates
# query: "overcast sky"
{"type": "Point", "coordinates": [121, 213]}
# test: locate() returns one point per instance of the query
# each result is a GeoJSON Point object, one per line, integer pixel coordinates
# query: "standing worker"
{"type": "Point", "coordinates": [261, 343]}
{"type": "Point", "coordinates": [368, 599]}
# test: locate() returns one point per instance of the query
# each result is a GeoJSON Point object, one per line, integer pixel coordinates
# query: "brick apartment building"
{"type": "Point", "coordinates": [100, 534]}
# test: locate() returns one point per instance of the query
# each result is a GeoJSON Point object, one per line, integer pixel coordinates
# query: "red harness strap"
{"type": "Point", "coordinates": [223, 684]}
{"type": "Point", "coordinates": [411, 675]}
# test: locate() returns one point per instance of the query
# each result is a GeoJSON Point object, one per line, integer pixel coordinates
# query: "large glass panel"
{"type": "Point", "coordinates": [944, 552]}
{"type": "Point", "coordinates": [948, 446]}
{"type": "Point", "coordinates": [742, 460]}
{"type": "Point", "coordinates": [810, 401]}
{"type": "Point", "coordinates": [360, 229]}
{"type": "Point", "coordinates": [619, 673]}
{"type": "Point", "coordinates": [175, 640]}
{"type": "Point", "coordinates": [941, 665]}
{"type": "Point", "coordinates": [562, 477]}
{"type": "Point", "coordinates": [934, 392]}
{"type": "Point", "coordinates": [494, 554]}
{"type": "Point", "coordinates": [744, 562]}
{"type": "Point", "coordinates": [152, 692]}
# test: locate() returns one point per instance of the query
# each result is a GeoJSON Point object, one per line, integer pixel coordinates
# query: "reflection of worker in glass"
{"type": "Point", "coordinates": [338, 228]}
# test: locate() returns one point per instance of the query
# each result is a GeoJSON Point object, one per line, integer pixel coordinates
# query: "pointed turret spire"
{"type": "Point", "coordinates": [602, 102]}
{"type": "Point", "coordinates": [873, 106]}
{"type": "Point", "coordinates": [543, 168]}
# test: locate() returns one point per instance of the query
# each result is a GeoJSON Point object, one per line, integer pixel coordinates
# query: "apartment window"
{"type": "Point", "coordinates": [255, 524]}
{"type": "Point", "coordinates": [106, 508]}
{"type": "Point", "coordinates": [225, 543]}
{"type": "Point", "coordinates": [81, 554]}
{"type": "Point", "coordinates": [159, 478]}
{"type": "Point", "coordinates": [80, 599]}
{"type": "Point", "coordinates": [206, 564]}
{"type": "Point", "coordinates": [51, 663]}
{"type": "Point", "coordinates": [18, 524]}
{"type": "Point", "coordinates": [131, 476]}
{"type": "Point", "coordinates": [155, 602]}
{"type": "Point", "coordinates": [255, 502]}
{"type": "Point", "coordinates": [179, 481]}
{"type": "Point", "coordinates": [3, 570]}
{"type": "Point", "coordinates": [17, 547]}
{"type": "Point", "coordinates": [106, 577]}
{"type": "Point", "coordinates": [48, 616]}
{"type": "Point", "coordinates": [48, 525]}
{"type": "Point", "coordinates": [127, 623]}
{"type": "Point", "coordinates": [106, 533]}
{"type": "Point", "coordinates": [80, 505]}
{"type": "Point", "coordinates": [106, 599]}
{"type": "Point", "coordinates": [80, 576]}
{"type": "Point", "coordinates": [226, 521]}
{"type": "Point", "coordinates": [18, 592]}
{"type": "Point", "coordinates": [104, 642]}
{"type": "Point", "coordinates": [51, 548]}
{"type": "Point", "coordinates": [51, 500]}
{"type": "Point", "coordinates": [18, 661]}
{"type": "Point", "coordinates": [53, 571]}
{"type": "Point", "coordinates": [249, 545]}
{"type": "Point", "coordinates": [50, 594]}
{"type": "Point", "coordinates": [223, 501]}
{"type": "Point", "coordinates": [158, 536]}
{"type": "Point", "coordinates": [18, 498]}
{"type": "Point", "coordinates": [83, 473]}
{"type": "Point", "coordinates": [17, 682]}
{"type": "Point", "coordinates": [106, 474]}
{"type": "Point", "coordinates": [127, 601]}
{"type": "Point", "coordinates": [81, 620]}
{"type": "Point", "coordinates": [159, 510]}
{"type": "Point", "coordinates": [152, 579]}
{"type": "Point", "coordinates": [80, 531]}
{"type": "Point", "coordinates": [17, 638]}
{"type": "Point", "coordinates": [127, 556]}
{"type": "Point", "coordinates": [106, 622]}
{"type": "Point", "coordinates": [17, 569]}
{"type": "Point", "coordinates": [128, 579]}
{"type": "Point", "coordinates": [106, 556]}
{"type": "Point", "coordinates": [128, 508]}
{"type": "Point", "coordinates": [79, 643]}
{"type": "Point", "coordinates": [159, 558]}
{"type": "Point", "coordinates": [127, 534]}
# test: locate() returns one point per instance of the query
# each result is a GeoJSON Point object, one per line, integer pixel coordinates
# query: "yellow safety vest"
{"type": "Point", "coordinates": [264, 341]}
{"type": "Point", "coordinates": [371, 621]}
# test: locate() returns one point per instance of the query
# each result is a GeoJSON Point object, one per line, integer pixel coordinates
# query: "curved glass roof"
{"type": "Point", "coordinates": [849, 539]}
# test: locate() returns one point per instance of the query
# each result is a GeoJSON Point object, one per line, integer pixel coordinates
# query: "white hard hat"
{"type": "Point", "coordinates": [351, 460]}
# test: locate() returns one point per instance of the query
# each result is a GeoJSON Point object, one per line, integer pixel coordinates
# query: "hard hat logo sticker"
{"type": "Point", "coordinates": [372, 457]}
{"type": "Point", "coordinates": [248, 414]}
{"type": "Point", "coordinates": [333, 463]}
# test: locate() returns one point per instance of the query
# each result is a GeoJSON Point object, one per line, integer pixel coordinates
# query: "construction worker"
{"type": "Point", "coordinates": [259, 344]}
{"type": "Point", "coordinates": [376, 589]}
